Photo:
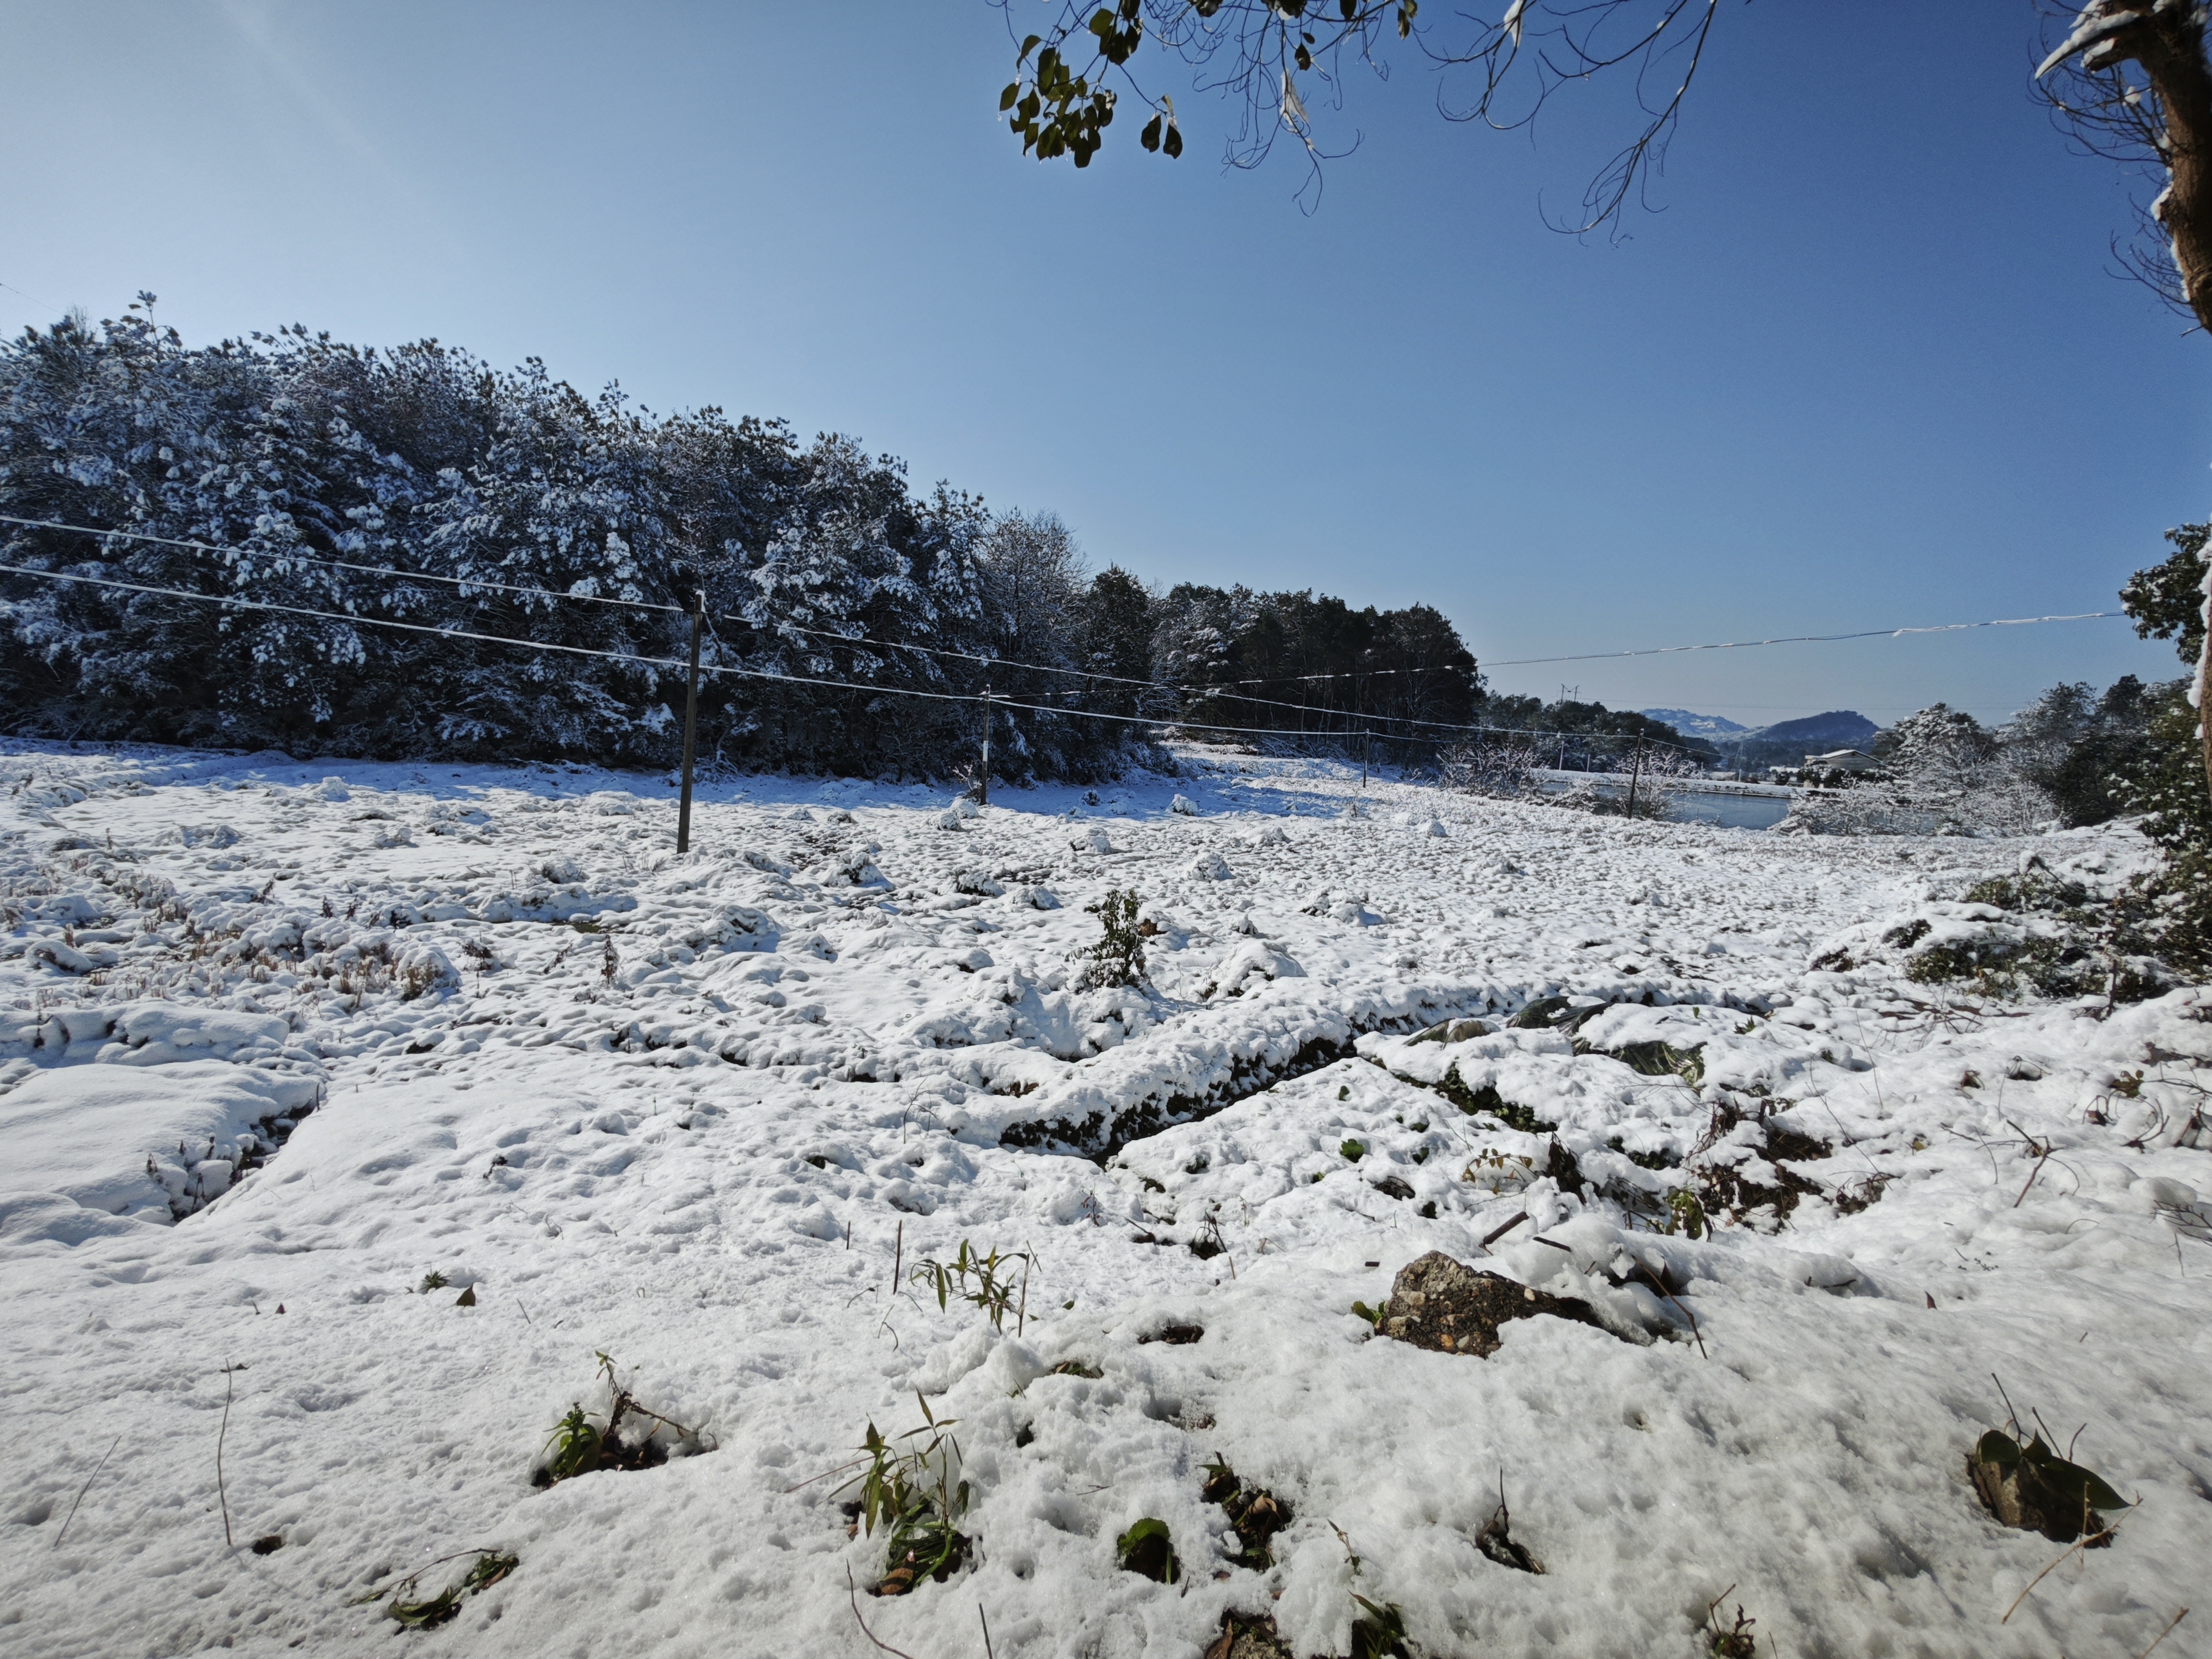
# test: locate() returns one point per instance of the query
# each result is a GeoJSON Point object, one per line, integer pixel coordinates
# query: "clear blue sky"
{"type": "Point", "coordinates": [1868, 367]}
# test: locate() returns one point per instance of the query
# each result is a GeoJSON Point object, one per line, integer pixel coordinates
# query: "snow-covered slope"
{"type": "Point", "coordinates": [1692, 724]}
{"type": "Point", "coordinates": [284, 1041]}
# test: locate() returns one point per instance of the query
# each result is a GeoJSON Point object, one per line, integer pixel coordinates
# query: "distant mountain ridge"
{"type": "Point", "coordinates": [1838, 728]}
{"type": "Point", "coordinates": [1693, 726]}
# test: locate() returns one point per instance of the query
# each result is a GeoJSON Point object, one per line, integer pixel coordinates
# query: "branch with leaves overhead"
{"type": "Point", "coordinates": [2129, 84]}
{"type": "Point", "coordinates": [1275, 57]}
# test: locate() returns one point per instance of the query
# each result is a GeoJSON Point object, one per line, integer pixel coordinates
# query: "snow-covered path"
{"type": "Point", "coordinates": [692, 1114]}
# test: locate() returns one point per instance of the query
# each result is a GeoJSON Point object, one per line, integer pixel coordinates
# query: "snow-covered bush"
{"type": "Point", "coordinates": [1948, 776]}
{"type": "Point", "coordinates": [1118, 959]}
{"type": "Point", "coordinates": [1491, 765]}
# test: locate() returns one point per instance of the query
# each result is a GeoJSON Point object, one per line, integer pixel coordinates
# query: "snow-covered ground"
{"type": "Point", "coordinates": [279, 1040]}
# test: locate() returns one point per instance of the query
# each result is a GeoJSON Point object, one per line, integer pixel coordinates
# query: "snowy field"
{"type": "Point", "coordinates": [279, 1044]}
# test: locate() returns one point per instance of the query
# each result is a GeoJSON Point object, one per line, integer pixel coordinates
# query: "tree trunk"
{"type": "Point", "coordinates": [2204, 680]}
{"type": "Point", "coordinates": [2174, 57]}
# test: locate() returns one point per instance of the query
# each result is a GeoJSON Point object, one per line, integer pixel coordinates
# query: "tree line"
{"type": "Point", "coordinates": [412, 509]}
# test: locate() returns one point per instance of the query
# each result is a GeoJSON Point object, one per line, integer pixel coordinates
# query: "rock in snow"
{"type": "Point", "coordinates": [1440, 1304]}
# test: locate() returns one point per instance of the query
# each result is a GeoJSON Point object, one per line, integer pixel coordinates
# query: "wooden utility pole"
{"type": "Point", "coordinates": [985, 801]}
{"type": "Point", "coordinates": [690, 724]}
{"type": "Point", "coordinates": [1366, 740]}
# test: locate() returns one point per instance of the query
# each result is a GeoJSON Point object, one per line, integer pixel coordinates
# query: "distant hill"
{"type": "Point", "coordinates": [1785, 743]}
{"type": "Point", "coordinates": [1839, 728]}
{"type": "Point", "coordinates": [1693, 725]}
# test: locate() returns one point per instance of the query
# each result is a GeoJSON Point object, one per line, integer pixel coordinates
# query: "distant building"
{"type": "Point", "coordinates": [1842, 760]}
{"type": "Point", "coordinates": [1833, 771]}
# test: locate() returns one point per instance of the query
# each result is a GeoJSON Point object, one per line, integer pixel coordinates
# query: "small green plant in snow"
{"type": "Point", "coordinates": [975, 1278]}
{"type": "Point", "coordinates": [1118, 959]}
{"type": "Point", "coordinates": [1146, 1548]}
{"type": "Point", "coordinates": [910, 1490]}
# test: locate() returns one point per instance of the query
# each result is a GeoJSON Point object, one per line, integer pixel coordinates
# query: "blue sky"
{"type": "Point", "coordinates": [1868, 368]}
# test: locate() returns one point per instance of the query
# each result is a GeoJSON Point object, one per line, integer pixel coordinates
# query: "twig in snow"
{"type": "Point", "coordinates": [1021, 1319]}
{"type": "Point", "coordinates": [2042, 1149]}
{"type": "Point", "coordinates": [854, 1596]}
{"type": "Point", "coordinates": [407, 1584]}
{"type": "Point", "coordinates": [94, 1475]}
{"type": "Point", "coordinates": [1715, 1602]}
{"type": "Point", "coordinates": [1661, 1285]}
{"type": "Point", "coordinates": [2094, 1538]}
{"type": "Point", "coordinates": [2163, 1634]}
{"type": "Point", "coordinates": [223, 1495]}
{"type": "Point", "coordinates": [988, 1654]}
{"type": "Point", "coordinates": [1497, 1233]}
{"type": "Point", "coordinates": [2012, 1417]}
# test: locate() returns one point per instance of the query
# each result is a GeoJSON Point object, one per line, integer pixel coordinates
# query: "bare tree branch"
{"type": "Point", "coordinates": [1278, 60]}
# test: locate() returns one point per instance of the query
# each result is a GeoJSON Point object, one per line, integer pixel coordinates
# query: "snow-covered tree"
{"type": "Point", "coordinates": [404, 552]}
{"type": "Point", "coordinates": [419, 487]}
{"type": "Point", "coordinates": [1947, 775]}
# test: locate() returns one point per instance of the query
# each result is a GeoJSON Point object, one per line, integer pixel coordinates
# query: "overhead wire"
{"type": "Point", "coordinates": [1050, 668]}
{"type": "Point", "coordinates": [1809, 639]}
{"type": "Point", "coordinates": [638, 661]}
{"type": "Point", "coordinates": [1197, 692]}
{"type": "Point", "coordinates": [236, 554]}
{"type": "Point", "coordinates": [347, 564]}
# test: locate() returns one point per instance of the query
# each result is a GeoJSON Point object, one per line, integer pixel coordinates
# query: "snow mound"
{"type": "Point", "coordinates": [135, 1146]}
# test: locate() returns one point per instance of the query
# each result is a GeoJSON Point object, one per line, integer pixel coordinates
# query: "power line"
{"type": "Point", "coordinates": [1210, 689]}
{"type": "Point", "coordinates": [346, 564]}
{"type": "Point", "coordinates": [757, 673]}
{"type": "Point", "coordinates": [1085, 673]}
{"type": "Point", "coordinates": [33, 298]}
{"type": "Point", "coordinates": [1810, 639]}
{"type": "Point", "coordinates": [633, 659]}
{"type": "Point", "coordinates": [234, 553]}
{"type": "Point", "coordinates": [1348, 674]}
{"type": "Point", "coordinates": [1197, 692]}
{"type": "Point", "coordinates": [463, 634]}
